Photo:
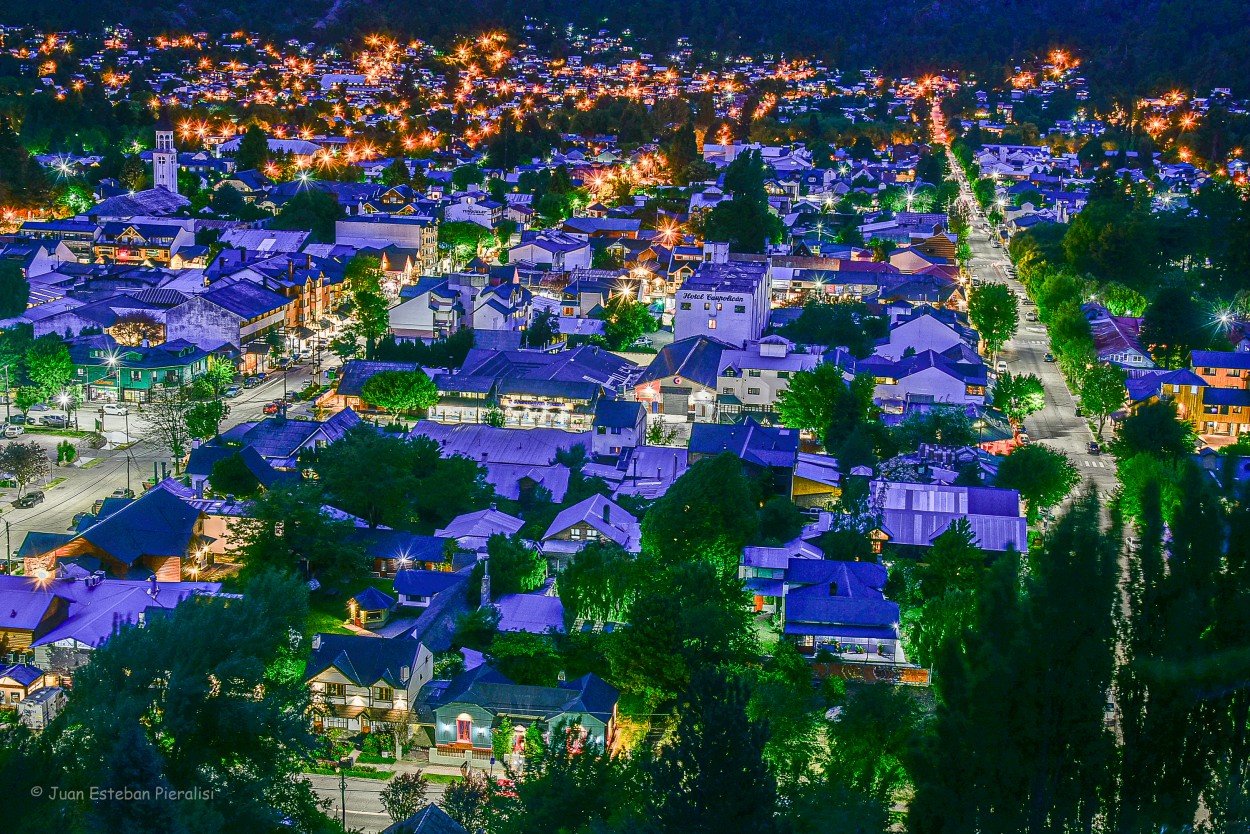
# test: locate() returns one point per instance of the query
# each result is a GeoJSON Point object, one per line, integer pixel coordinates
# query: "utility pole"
{"type": "Point", "coordinates": [8, 395]}
{"type": "Point", "coordinates": [8, 548]}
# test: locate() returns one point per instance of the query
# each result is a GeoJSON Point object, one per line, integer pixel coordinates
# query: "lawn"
{"type": "Point", "coordinates": [354, 773]}
{"type": "Point", "coordinates": [327, 614]}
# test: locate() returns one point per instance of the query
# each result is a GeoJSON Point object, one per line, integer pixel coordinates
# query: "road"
{"type": "Point", "coordinates": [364, 808]}
{"type": "Point", "coordinates": [1056, 425]}
{"type": "Point", "coordinates": [82, 486]}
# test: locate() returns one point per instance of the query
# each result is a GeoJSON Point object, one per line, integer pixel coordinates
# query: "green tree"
{"type": "Point", "coordinates": [1102, 392]}
{"type": "Point", "coordinates": [992, 309]}
{"type": "Point", "coordinates": [231, 476]}
{"type": "Point", "coordinates": [807, 403]}
{"type": "Point", "coordinates": [396, 173]}
{"type": "Point", "coordinates": [400, 392]}
{"type": "Point", "coordinates": [515, 567]}
{"type": "Point", "coordinates": [468, 801]}
{"type": "Point", "coordinates": [466, 175]}
{"type": "Point", "coordinates": [625, 319]}
{"type": "Point", "coordinates": [253, 150]}
{"type": "Point", "coordinates": [48, 365]}
{"type": "Point", "coordinates": [502, 739]}
{"type": "Point", "coordinates": [542, 330]}
{"type": "Point", "coordinates": [404, 795]}
{"type": "Point", "coordinates": [369, 304]}
{"type": "Point", "coordinates": [462, 240]}
{"type": "Point", "coordinates": [600, 584]}
{"type": "Point", "coordinates": [290, 528]}
{"type": "Point", "coordinates": [1154, 429]}
{"type": "Point", "coordinates": [706, 514]}
{"type": "Point", "coordinates": [682, 152]}
{"type": "Point", "coordinates": [840, 324]}
{"type": "Point", "coordinates": [1121, 300]}
{"type": "Point", "coordinates": [1042, 476]}
{"type": "Point", "coordinates": [167, 426]}
{"type": "Point", "coordinates": [312, 210]}
{"type": "Point", "coordinates": [1174, 325]}
{"type": "Point", "coordinates": [204, 418]}
{"type": "Point", "coordinates": [220, 373]}
{"type": "Point", "coordinates": [942, 426]}
{"type": "Point", "coordinates": [1019, 395]}
{"type": "Point", "coordinates": [206, 706]}
{"type": "Point", "coordinates": [527, 659]}
{"type": "Point", "coordinates": [14, 289]}
{"type": "Point", "coordinates": [393, 467]}
{"type": "Point", "coordinates": [25, 462]}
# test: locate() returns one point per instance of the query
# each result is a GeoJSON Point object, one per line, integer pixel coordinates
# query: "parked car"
{"type": "Point", "coordinates": [284, 361]}
{"type": "Point", "coordinates": [53, 421]}
{"type": "Point", "coordinates": [41, 407]}
{"type": "Point", "coordinates": [307, 382]}
{"type": "Point", "coordinates": [252, 381]}
{"type": "Point", "coordinates": [77, 519]}
{"type": "Point", "coordinates": [290, 396]}
{"type": "Point", "coordinates": [1050, 357]}
{"type": "Point", "coordinates": [29, 500]}
{"type": "Point", "coordinates": [273, 407]}
{"type": "Point", "coordinates": [1093, 448]}
{"type": "Point", "coordinates": [643, 341]}
{"type": "Point", "coordinates": [20, 420]}
{"type": "Point", "coordinates": [1001, 367]}
{"type": "Point", "coordinates": [116, 409]}
{"type": "Point", "coordinates": [124, 492]}
{"type": "Point", "coordinates": [1030, 316]}
{"type": "Point", "coordinates": [233, 391]}
{"type": "Point", "coordinates": [13, 431]}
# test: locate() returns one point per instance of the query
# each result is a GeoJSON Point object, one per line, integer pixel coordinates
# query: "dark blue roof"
{"type": "Point", "coordinates": [245, 299]}
{"type": "Point", "coordinates": [1226, 396]}
{"type": "Point", "coordinates": [371, 599]}
{"type": "Point", "coordinates": [1220, 359]}
{"type": "Point", "coordinates": [399, 544]}
{"type": "Point", "coordinates": [157, 523]}
{"type": "Point", "coordinates": [23, 673]}
{"type": "Point", "coordinates": [696, 359]}
{"type": "Point", "coordinates": [617, 414]}
{"type": "Point", "coordinates": [756, 444]}
{"type": "Point", "coordinates": [364, 660]}
{"type": "Point", "coordinates": [425, 583]}
{"type": "Point", "coordinates": [357, 372]}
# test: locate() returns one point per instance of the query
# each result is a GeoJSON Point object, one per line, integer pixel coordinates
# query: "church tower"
{"type": "Point", "coordinates": [165, 160]}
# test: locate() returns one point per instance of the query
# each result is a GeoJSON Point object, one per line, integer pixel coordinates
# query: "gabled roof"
{"type": "Point", "coordinates": [754, 443]}
{"type": "Point", "coordinates": [697, 359]}
{"type": "Point", "coordinates": [1231, 359]}
{"type": "Point", "coordinates": [489, 689]}
{"type": "Point", "coordinates": [618, 414]}
{"type": "Point", "coordinates": [371, 599]}
{"type": "Point", "coordinates": [618, 526]}
{"type": "Point", "coordinates": [363, 660]}
{"type": "Point", "coordinates": [357, 372]}
{"type": "Point", "coordinates": [532, 613]}
{"type": "Point", "coordinates": [429, 820]}
{"type": "Point", "coordinates": [157, 523]}
{"type": "Point", "coordinates": [425, 583]}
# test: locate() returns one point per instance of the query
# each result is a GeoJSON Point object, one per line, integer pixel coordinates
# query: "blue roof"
{"type": "Point", "coordinates": [357, 372]}
{"type": "Point", "coordinates": [754, 443]}
{"type": "Point", "coordinates": [364, 660]}
{"type": "Point", "coordinates": [1220, 359]}
{"type": "Point", "coordinates": [23, 673]}
{"type": "Point", "coordinates": [696, 359]}
{"type": "Point", "coordinates": [617, 414]}
{"type": "Point", "coordinates": [371, 599]}
{"type": "Point", "coordinates": [245, 299]}
{"type": "Point", "coordinates": [400, 544]}
{"type": "Point", "coordinates": [425, 583]}
{"type": "Point", "coordinates": [1226, 396]}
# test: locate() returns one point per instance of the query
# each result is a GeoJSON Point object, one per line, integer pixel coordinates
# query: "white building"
{"type": "Point", "coordinates": [727, 301]}
{"type": "Point", "coordinates": [750, 380]}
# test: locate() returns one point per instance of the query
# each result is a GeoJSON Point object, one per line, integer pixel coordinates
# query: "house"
{"type": "Point", "coordinates": [1222, 368]}
{"type": "Point", "coordinates": [430, 309]}
{"type": "Point", "coordinates": [618, 425]}
{"type": "Point", "coordinates": [18, 681]}
{"type": "Point", "coordinates": [429, 820]}
{"type": "Point", "coordinates": [763, 450]}
{"type": "Point", "coordinates": [472, 531]}
{"type": "Point", "coordinates": [532, 613]}
{"type": "Point", "coordinates": [200, 464]}
{"type": "Point", "coordinates": [927, 328]}
{"type": "Point", "coordinates": [57, 621]}
{"type": "Point", "coordinates": [956, 376]}
{"type": "Point", "coordinates": [418, 588]}
{"type": "Point", "coordinates": [356, 373]}
{"type": "Point", "coordinates": [151, 242]}
{"type": "Point", "coordinates": [750, 380]}
{"type": "Point", "coordinates": [1182, 386]}
{"type": "Point", "coordinates": [281, 441]}
{"type": "Point", "coordinates": [392, 551]}
{"type": "Point", "coordinates": [236, 313]}
{"type": "Point", "coordinates": [681, 380]}
{"type": "Point", "coordinates": [593, 519]}
{"type": "Point", "coordinates": [357, 680]}
{"type": "Point", "coordinates": [109, 371]}
{"type": "Point", "coordinates": [502, 307]}
{"type": "Point", "coordinates": [473, 704]}
{"type": "Point", "coordinates": [726, 301]}
{"type": "Point", "coordinates": [370, 608]}
{"type": "Point", "coordinates": [382, 230]}
{"type": "Point", "coordinates": [475, 207]}
{"type": "Point", "coordinates": [913, 515]}
{"type": "Point", "coordinates": [1117, 339]}
{"type": "Point", "coordinates": [156, 536]}
{"type": "Point", "coordinates": [562, 252]}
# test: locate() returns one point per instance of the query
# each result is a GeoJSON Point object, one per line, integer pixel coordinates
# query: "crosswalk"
{"type": "Point", "coordinates": [1093, 464]}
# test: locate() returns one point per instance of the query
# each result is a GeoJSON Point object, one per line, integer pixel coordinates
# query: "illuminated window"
{"type": "Point", "coordinates": [464, 728]}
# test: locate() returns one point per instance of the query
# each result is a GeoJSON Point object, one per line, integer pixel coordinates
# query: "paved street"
{"type": "Point", "coordinates": [1057, 424]}
{"type": "Point", "coordinates": [82, 486]}
{"type": "Point", "coordinates": [364, 808]}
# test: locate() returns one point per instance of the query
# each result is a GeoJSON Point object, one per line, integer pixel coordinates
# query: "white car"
{"type": "Point", "coordinates": [1001, 367]}
{"type": "Point", "coordinates": [116, 409]}
{"type": "Point", "coordinates": [14, 431]}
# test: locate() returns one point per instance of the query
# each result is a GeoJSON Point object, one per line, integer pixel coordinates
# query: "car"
{"type": "Point", "coordinates": [21, 420]}
{"type": "Point", "coordinates": [77, 519]}
{"type": "Point", "coordinates": [1030, 316]}
{"type": "Point", "coordinates": [233, 391]}
{"type": "Point", "coordinates": [54, 421]}
{"type": "Point", "coordinates": [306, 382]}
{"type": "Point", "coordinates": [290, 396]}
{"type": "Point", "coordinates": [252, 381]}
{"type": "Point", "coordinates": [40, 407]}
{"type": "Point", "coordinates": [1001, 367]}
{"type": "Point", "coordinates": [124, 492]}
{"type": "Point", "coordinates": [29, 500]}
{"type": "Point", "coordinates": [13, 431]}
{"type": "Point", "coordinates": [643, 341]}
{"type": "Point", "coordinates": [116, 409]}
{"type": "Point", "coordinates": [284, 361]}
{"type": "Point", "coordinates": [1050, 357]}
{"type": "Point", "coordinates": [1093, 448]}
{"type": "Point", "coordinates": [273, 407]}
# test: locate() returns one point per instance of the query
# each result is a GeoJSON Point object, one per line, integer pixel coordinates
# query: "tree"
{"type": "Point", "coordinates": [992, 309]}
{"type": "Point", "coordinates": [167, 426]}
{"type": "Point", "coordinates": [395, 469]}
{"type": "Point", "coordinates": [371, 309]}
{"type": "Point", "coordinates": [462, 239]}
{"type": "Point", "coordinates": [502, 740]}
{"type": "Point", "coordinates": [1019, 395]}
{"type": "Point", "coordinates": [600, 584]}
{"type": "Point", "coordinates": [253, 150]}
{"type": "Point", "coordinates": [231, 476]}
{"type": "Point", "coordinates": [289, 528]}
{"type": "Point", "coordinates": [206, 707]}
{"type": "Point", "coordinates": [527, 659]}
{"type": "Point", "coordinates": [939, 596]}
{"type": "Point", "coordinates": [625, 319]}
{"type": "Point", "coordinates": [220, 374]}
{"type": "Point", "coordinates": [25, 462]}
{"type": "Point", "coordinates": [807, 402]}
{"type": "Point", "coordinates": [515, 568]}
{"type": "Point", "coordinates": [48, 365]}
{"type": "Point", "coordinates": [1174, 325]}
{"type": "Point", "coordinates": [1102, 392]}
{"type": "Point", "coordinates": [942, 426]}
{"type": "Point", "coordinates": [26, 396]}
{"type": "Point", "coordinates": [1121, 300]}
{"type": "Point", "coordinates": [14, 289]}
{"type": "Point", "coordinates": [706, 514]}
{"type": "Point", "coordinates": [404, 795]}
{"type": "Point", "coordinates": [1154, 429]}
{"type": "Point", "coordinates": [542, 330]}
{"type": "Point", "coordinates": [1043, 476]}
{"type": "Point", "coordinates": [400, 392]}
{"type": "Point", "coordinates": [841, 324]}
{"type": "Point", "coordinates": [204, 418]}
{"type": "Point", "coordinates": [682, 152]}
{"type": "Point", "coordinates": [712, 778]}
{"type": "Point", "coordinates": [313, 210]}
{"type": "Point", "coordinates": [468, 801]}
{"type": "Point", "coordinates": [466, 175]}
{"type": "Point", "coordinates": [396, 173]}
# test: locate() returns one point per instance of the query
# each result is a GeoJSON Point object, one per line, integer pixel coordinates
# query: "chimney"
{"type": "Point", "coordinates": [833, 589]}
{"type": "Point", "coordinates": [561, 677]}
{"type": "Point", "coordinates": [316, 644]}
{"type": "Point", "coordinates": [405, 673]}
{"type": "Point", "coordinates": [607, 512]}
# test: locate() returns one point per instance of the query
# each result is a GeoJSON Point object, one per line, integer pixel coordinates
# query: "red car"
{"type": "Point", "coordinates": [272, 408]}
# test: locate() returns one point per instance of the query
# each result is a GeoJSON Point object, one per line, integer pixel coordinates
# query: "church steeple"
{"type": "Point", "coordinates": [165, 158]}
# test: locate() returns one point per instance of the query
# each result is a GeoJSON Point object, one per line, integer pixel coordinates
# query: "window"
{"type": "Point", "coordinates": [1235, 372]}
{"type": "Point", "coordinates": [383, 693]}
{"type": "Point", "coordinates": [82, 371]}
{"type": "Point", "coordinates": [707, 305]}
{"type": "Point", "coordinates": [602, 429]}
{"type": "Point", "coordinates": [711, 324]}
{"type": "Point", "coordinates": [464, 729]}
{"type": "Point", "coordinates": [726, 390]}
{"type": "Point", "coordinates": [718, 306]}
{"type": "Point", "coordinates": [740, 308]}
{"type": "Point", "coordinates": [336, 690]}
{"type": "Point", "coordinates": [753, 391]}
{"type": "Point", "coordinates": [685, 305]}
{"type": "Point", "coordinates": [783, 374]}
{"type": "Point", "coordinates": [753, 373]}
